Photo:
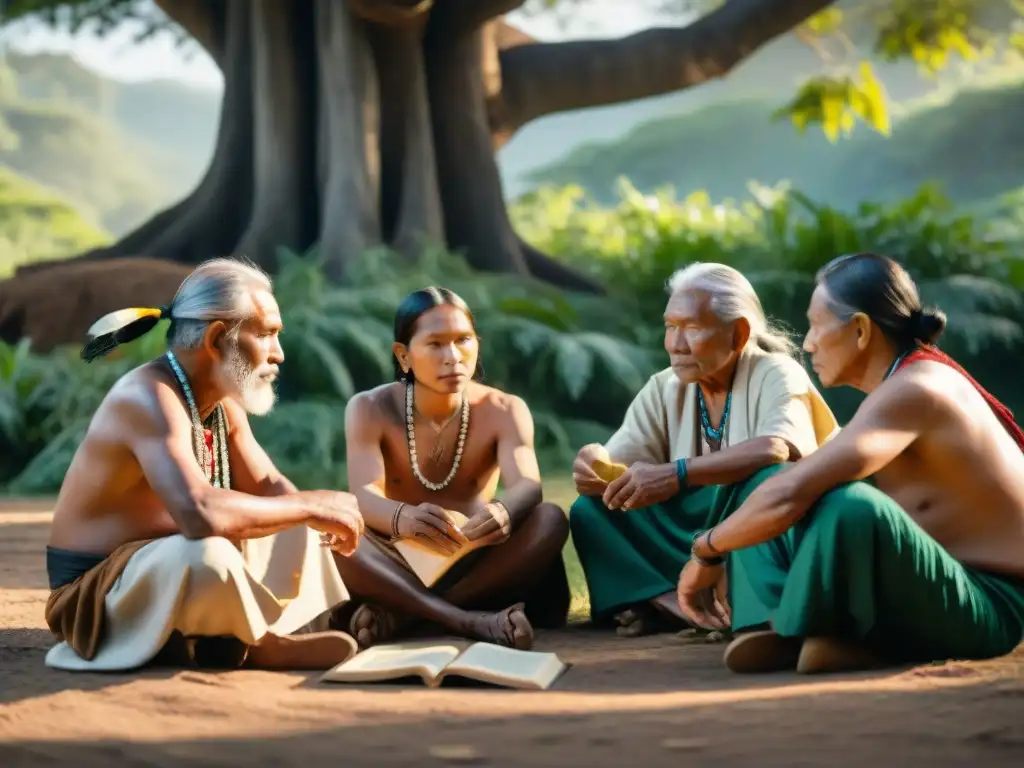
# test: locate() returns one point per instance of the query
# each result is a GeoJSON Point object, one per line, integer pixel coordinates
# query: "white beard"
{"type": "Point", "coordinates": [238, 376]}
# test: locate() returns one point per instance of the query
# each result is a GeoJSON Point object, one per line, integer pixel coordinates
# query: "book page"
{"type": "Point", "coordinates": [394, 661]}
{"type": "Point", "coordinates": [428, 564]}
{"type": "Point", "coordinates": [506, 666]}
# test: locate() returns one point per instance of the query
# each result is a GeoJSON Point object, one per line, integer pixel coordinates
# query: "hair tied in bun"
{"type": "Point", "coordinates": [927, 325]}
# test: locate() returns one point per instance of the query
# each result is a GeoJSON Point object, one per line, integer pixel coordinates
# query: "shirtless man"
{"type": "Point", "coordinates": [926, 562]}
{"type": "Point", "coordinates": [172, 523]}
{"type": "Point", "coordinates": [437, 441]}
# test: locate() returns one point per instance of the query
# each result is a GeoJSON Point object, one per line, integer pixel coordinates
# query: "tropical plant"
{"type": "Point", "coordinates": [577, 359]}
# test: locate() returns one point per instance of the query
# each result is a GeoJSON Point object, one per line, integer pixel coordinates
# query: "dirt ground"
{"type": "Point", "coordinates": [646, 702]}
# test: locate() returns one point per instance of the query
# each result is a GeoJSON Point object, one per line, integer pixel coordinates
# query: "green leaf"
{"type": "Point", "coordinates": [335, 367]}
{"type": "Point", "coordinates": [574, 365]}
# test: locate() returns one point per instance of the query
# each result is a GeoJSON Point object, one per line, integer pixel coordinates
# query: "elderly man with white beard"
{"type": "Point", "coordinates": [175, 539]}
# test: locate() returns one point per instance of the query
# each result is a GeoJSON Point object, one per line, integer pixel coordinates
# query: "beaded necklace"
{"type": "Point", "coordinates": [895, 365]}
{"type": "Point", "coordinates": [212, 457]}
{"type": "Point", "coordinates": [711, 434]}
{"type": "Point", "coordinates": [411, 432]}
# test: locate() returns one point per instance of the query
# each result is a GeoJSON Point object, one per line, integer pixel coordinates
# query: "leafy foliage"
{"type": "Point", "coordinates": [577, 360]}
{"type": "Point", "coordinates": [837, 103]}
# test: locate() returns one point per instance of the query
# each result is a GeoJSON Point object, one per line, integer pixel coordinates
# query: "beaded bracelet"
{"type": "Point", "coordinates": [681, 472]}
{"type": "Point", "coordinates": [394, 521]}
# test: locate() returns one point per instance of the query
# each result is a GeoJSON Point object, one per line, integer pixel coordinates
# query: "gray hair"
{"type": "Point", "coordinates": [218, 289]}
{"type": "Point", "coordinates": [733, 297]}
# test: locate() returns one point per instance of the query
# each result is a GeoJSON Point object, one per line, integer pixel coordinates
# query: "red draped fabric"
{"type": "Point", "coordinates": [208, 435]}
{"type": "Point", "coordinates": [1004, 414]}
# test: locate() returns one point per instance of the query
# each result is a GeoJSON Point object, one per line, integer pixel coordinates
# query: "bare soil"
{"type": "Point", "coordinates": [644, 702]}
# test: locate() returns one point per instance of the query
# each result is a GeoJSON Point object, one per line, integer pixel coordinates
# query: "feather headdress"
{"type": "Point", "coordinates": [120, 327]}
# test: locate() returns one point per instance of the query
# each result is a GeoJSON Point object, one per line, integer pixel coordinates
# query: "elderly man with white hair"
{"type": "Point", "coordinates": [174, 536]}
{"type": "Point", "coordinates": [733, 401]}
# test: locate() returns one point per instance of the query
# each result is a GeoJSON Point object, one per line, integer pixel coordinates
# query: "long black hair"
{"type": "Point", "coordinates": [882, 290]}
{"type": "Point", "coordinates": [413, 307]}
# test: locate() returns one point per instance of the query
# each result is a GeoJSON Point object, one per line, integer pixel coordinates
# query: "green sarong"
{"type": "Point", "coordinates": [632, 557]}
{"type": "Point", "coordinates": [858, 567]}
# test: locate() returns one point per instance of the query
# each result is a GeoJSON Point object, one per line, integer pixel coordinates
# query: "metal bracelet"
{"type": "Point", "coordinates": [394, 520]}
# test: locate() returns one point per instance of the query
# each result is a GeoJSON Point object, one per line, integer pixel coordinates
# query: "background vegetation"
{"type": "Point", "coordinates": [578, 360]}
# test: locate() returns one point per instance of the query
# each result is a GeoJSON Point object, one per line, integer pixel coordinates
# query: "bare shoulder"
{"type": "Point", "coordinates": [915, 394]}
{"type": "Point", "coordinates": [371, 408]}
{"type": "Point", "coordinates": [143, 398]}
{"type": "Point", "coordinates": [940, 386]}
{"type": "Point", "coordinates": [499, 405]}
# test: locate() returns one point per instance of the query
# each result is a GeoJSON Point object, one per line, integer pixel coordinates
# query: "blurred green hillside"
{"type": "Point", "coordinates": [116, 151]}
{"type": "Point", "coordinates": [37, 224]}
{"type": "Point", "coordinates": [968, 142]}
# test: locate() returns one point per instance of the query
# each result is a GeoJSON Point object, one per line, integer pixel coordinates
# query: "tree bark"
{"type": "Point", "coordinates": [358, 132]}
{"type": "Point", "coordinates": [544, 78]}
{"type": "Point", "coordinates": [475, 217]}
{"type": "Point", "coordinates": [206, 21]}
{"type": "Point", "coordinates": [349, 142]}
{"type": "Point", "coordinates": [410, 198]}
{"type": "Point", "coordinates": [284, 136]}
{"type": "Point", "coordinates": [217, 213]}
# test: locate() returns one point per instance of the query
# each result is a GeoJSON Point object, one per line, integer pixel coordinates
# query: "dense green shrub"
{"type": "Point", "coordinates": [577, 360]}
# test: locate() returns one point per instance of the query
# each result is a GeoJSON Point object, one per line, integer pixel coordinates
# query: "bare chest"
{"type": "Point", "coordinates": [476, 476]}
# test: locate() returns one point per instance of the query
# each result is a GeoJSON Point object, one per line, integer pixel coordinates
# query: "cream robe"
{"type": "Point", "coordinates": [283, 584]}
{"type": "Point", "coordinates": [772, 396]}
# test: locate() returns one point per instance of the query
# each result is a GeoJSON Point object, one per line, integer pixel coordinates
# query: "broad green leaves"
{"type": "Point", "coordinates": [577, 361]}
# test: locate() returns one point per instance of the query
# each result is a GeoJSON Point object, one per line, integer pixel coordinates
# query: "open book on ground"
{"type": "Point", "coordinates": [458, 662]}
{"type": "Point", "coordinates": [429, 564]}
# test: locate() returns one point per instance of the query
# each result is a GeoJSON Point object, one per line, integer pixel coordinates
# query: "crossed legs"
{"type": "Point", "coordinates": [493, 602]}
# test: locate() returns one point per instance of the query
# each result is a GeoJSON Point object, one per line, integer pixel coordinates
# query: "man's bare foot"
{"type": "Point", "coordinates": [315, 650]}
{"type": "Point", "coordinates": [819, 655]}
{"type": "Point", "coordinates": [371, 625]}
{"type": "Point", "coordinates": [509, 628]}
{"type": "Point", "coordinates": [638, 621]}
{"type": "Point", "coordinates": [759, 652]}
{"type": "Point", "coordinates": [661, 614]}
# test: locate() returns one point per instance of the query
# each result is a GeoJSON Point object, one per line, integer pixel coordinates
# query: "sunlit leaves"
{"type": "Point", "coordinates": [837, 103]}
{"type": "Point", "coordinates": [827, 22]}
{"type": "Point", "coordinates": [930, 31]}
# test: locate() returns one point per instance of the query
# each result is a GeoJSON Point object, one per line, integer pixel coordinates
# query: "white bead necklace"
{"type": "Point", "coordinates": [216, 467]}
{"type": "Point", "coordinates": [411, 431]}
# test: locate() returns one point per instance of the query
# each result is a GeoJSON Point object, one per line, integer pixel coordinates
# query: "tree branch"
{"type": "Point", "coordinates": [545, 78]}
{"type": "Point", "coordinates": [204, 20]}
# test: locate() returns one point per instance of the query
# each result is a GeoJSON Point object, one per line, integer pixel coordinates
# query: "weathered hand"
{"type": "Point", "coordinates": [339, 521]}
{"type": "Point", "coordinates": [641, 486]}
{"type": "Point", "coordinates": [489, 525]}
{"type": "Point", "coordinates": [432, 526]}
{"type": "Point", "coordinates": [701, 595]}
{"type": "Point", "coordinates": [583, 475]}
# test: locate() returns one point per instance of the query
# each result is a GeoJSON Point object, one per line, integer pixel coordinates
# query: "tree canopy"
{"type": "Point", "coordinates": [847, 35]}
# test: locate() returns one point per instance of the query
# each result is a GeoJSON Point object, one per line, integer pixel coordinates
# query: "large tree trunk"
{"type": "Point", "coordinates": [355, 123]}
{"type": "Point", "coordinates": [284, 131]}
{"type": "Point", "coordinates": [349, 141]}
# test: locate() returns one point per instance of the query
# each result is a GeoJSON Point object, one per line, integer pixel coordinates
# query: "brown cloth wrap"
{"type": "Point", "coordinates": [76, 612]}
